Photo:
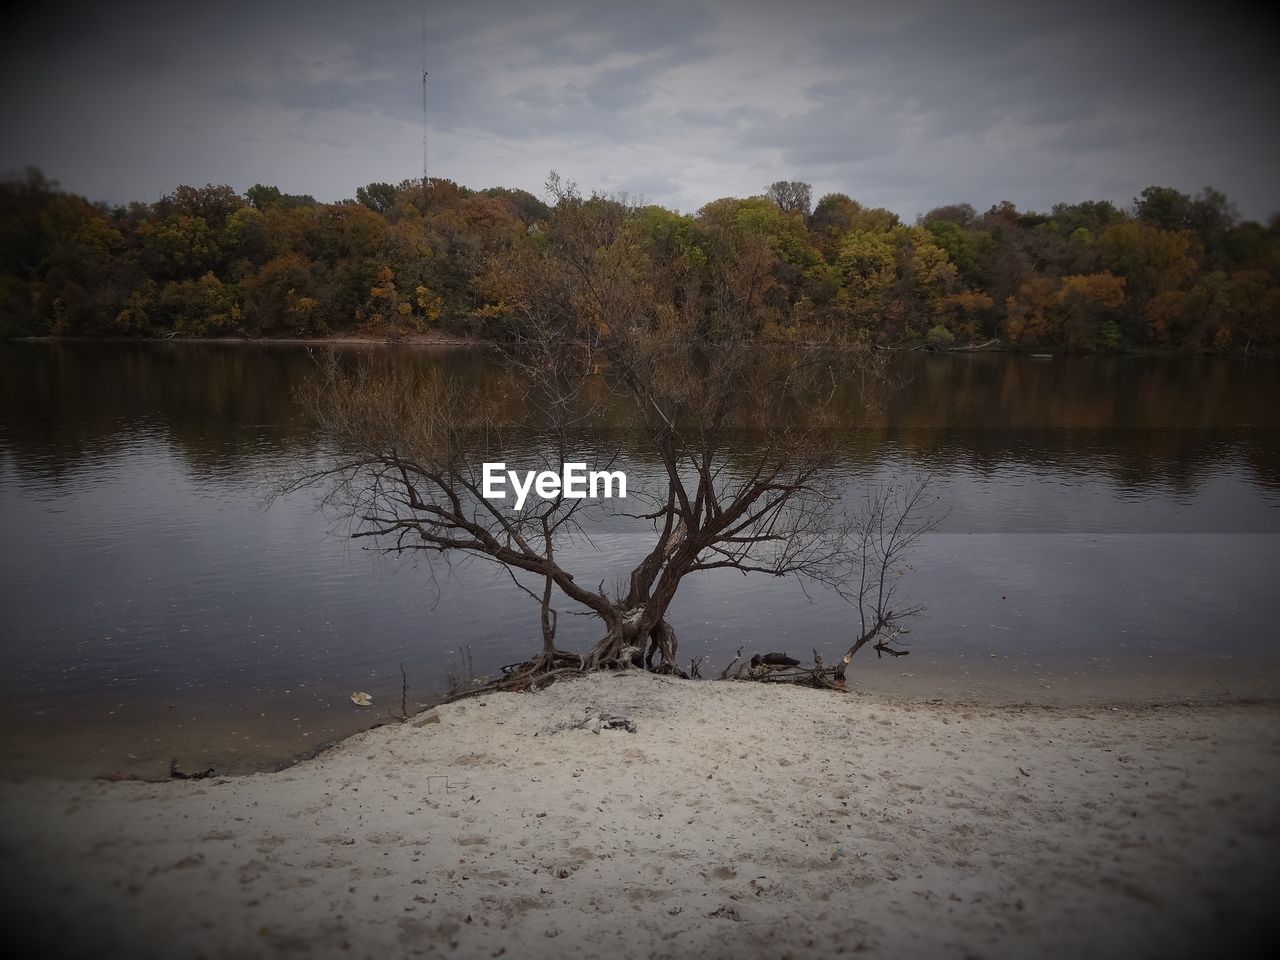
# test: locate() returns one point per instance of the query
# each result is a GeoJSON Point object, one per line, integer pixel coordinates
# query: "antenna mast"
{"type": "Point", "coordinates": [424, 104]}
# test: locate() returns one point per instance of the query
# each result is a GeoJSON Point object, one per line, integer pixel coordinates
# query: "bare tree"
{"type": "Point", "coordinates": [403, 469]}
{"type": "Point", "coordinates": [887, 527]}
{"type": "Point", "coordinates": [881, 532]}
{"type": "Point", "coordinates": [742, 433]}
{"type": "Point", "coordinates": [679, 335]}
{"type": "Point", "coordinates": [791, 195]}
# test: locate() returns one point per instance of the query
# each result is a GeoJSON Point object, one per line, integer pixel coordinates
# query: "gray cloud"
{"type": "Point", "coordinates": [906, 104]}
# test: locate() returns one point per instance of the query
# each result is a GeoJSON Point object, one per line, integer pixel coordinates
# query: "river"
{"type": "Point", "coordinates": [1110, 531]}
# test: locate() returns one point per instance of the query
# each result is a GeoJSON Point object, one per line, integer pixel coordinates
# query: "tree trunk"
{"type": "Point", "coordinates": [635, 630]}
{"type": "Point", "coordinates": [663, 640]}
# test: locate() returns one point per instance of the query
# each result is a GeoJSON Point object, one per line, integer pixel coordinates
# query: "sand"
{"type": "Point", "coordinates": [739, 820]}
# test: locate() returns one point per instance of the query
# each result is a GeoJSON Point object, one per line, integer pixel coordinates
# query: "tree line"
{"type": "Point", "coordinates": [1172, 271]}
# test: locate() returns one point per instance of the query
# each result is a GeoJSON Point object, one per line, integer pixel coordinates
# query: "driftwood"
{"type": "Point", "coordinates": [774, 660]}
{"type": "Point", "coordinates": [176, 774]}
{"type": "Point", "coordinates": [989, 345]}
{"type": "Point", "coordinates": [775, 668]}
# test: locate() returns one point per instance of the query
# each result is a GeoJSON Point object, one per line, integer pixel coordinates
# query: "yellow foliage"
{"type": "Point", "coordinates": [1066, 310]}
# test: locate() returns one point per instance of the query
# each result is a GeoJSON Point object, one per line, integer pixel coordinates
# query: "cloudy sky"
{"type": "Point", "coordinates": [905, 104]}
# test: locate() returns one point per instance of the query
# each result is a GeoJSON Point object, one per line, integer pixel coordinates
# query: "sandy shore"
{"type": "Point", "coordinates": [739, 820]}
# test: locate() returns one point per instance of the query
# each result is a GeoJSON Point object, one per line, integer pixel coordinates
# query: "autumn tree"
{"type": "Point", "coordinates": [1156, 263]}
{"type": "Point", "coordinates": [926, 277]}
{"type": "Point", "coordinates": [1074, 311]}
{"type": "Point", "coordinates": [969, 314]}
{"type": "Point", "coordinates": [868, 268]}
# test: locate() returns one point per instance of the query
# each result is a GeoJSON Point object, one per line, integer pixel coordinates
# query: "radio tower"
{"type": "Point", "coordinates": [424, 107]}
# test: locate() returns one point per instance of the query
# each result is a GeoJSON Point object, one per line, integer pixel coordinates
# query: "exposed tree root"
{"type": "Point", "coordinates": [546, 668]}
{"type": "Point", "coordinates": [615, 651]}
{"type": "Point", "coordinates": [623, 648]}
{"type": "Point", "coordinates": [528, 675]}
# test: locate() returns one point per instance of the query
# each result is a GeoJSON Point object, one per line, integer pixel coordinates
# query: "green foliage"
{"type": "Point", "coordinates": [200, 308]}
{"type": "Point", "coordinates": [868, 262]}
{"type": "Point", "coordinates": [378, 197]}
{"type": "Point", "coordinates": [247, 238]}
{"type": "Point", "coordinates": [1163, 208]}
{"type": "Point", "coordinates": [959, 245]}
{"type": "Point", "coordinates": [940, 338]}
{"type": "Point", "coordinates": [262, 197]}
{"type": "Point", "coordinates": [1092, 216]}
{"type": "Point", "coordinates": [212, 204]}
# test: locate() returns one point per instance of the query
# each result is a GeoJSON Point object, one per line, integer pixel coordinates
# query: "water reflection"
{"type": "Point", "coordinates": [224, 407]}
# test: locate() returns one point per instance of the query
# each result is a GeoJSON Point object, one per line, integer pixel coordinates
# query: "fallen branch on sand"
{"type": "Point", "coordinates": [176, 774]}
{"type": "Point", "coordinates": [780, 668]}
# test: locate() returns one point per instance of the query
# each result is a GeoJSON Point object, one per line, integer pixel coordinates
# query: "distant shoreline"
{"type": "Point", "coordinates": [416, 339]}
{"type": "Point", "coordinates": [437, 339]}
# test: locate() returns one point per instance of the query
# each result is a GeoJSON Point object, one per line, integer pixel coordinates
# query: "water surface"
{"type": "Point", "coordinates": [1111, 531]}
